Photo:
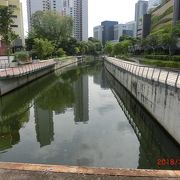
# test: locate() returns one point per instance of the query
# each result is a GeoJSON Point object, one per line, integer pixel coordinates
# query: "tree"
{"type": "Point", "coordinates": [60, 52]}
{"type": "Point", "coordinates": [108, 48]}
{"type": "Point", "coordinates": [52, 26]}
{"type": "Point", "coordinates": [6, 32]}
{"type": "Point", "coordinates": [153, 40]}
{"type": "Point", "coordinates": [43, 48]}
{"type": "Point", "coordinates": [117, 49]}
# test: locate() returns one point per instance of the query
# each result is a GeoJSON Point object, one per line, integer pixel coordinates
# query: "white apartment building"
{"type": "Point", "coordinates": [97, 31]}
{"type": "Point", "coordinates": [77, 9]}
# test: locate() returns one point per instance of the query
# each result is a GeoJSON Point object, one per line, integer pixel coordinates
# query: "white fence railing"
{"type": "Point", "coordinates": [166, 76]}
{"type": "Point", "coordinates": [25, 69]}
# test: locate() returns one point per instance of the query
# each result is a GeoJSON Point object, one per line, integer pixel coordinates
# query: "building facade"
{"type": "Point", "coordinates": [176, 15]}
{"type": "Point", "coordinates": [153, 4]}
{"type": "Point", "coordinates": [141, 8]}
{"type": "Point", "coordinates": [108, 30]}
{"type": "Point", "coordinates": [97, 32]}
{"type": "Point", "coordinates": [17, 26]}
{"type": "Point", "coordinates": [77, 9]}
{"type": "Point", "coordinates": [124, 29]}
{"type": "Point", "coordinates": [42, 5]}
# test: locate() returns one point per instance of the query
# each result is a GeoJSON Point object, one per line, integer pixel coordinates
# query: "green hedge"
{"type": "Point", "coordinates": [163, 57]}
{"type": "Point", "coordinates": [158, 63]}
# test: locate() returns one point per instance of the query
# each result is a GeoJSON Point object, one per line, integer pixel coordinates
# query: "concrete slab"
{"type": "Point", "coordinates": [20, 171]}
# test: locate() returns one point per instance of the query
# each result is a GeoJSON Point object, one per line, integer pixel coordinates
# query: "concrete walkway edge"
{"type": "Point", "coordinates": [90, 171]}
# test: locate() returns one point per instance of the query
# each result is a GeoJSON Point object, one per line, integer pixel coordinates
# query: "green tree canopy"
{"type": "Point", "coordinates": [6, 32]}
{"type": "Point", "coordinates": [43, 48]}
{"type": "Point", "coordinates": [52, 26]}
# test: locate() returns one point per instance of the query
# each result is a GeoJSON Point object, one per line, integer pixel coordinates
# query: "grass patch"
{"type": "Point", "coordinates": [159, 63]}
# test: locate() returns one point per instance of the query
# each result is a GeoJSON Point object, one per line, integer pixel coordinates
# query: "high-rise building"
{"type": "Point", "coordinates": [97, 31]}
{"type": "Point", "coordinates": [42, 5]}
{"type": "Point", "coordinates": [77, 9]}
{"type": "Point", "coordinates": [140, 9]}
{"type": "Point", "coordinates": [17, 17]}
{"type": "Point", "coordinates": [108, 30]}
{"type": "Point", "coordinates": [124, 29]}
{"type": "Point", "coordinates": [176, 16]}
{"type": "Point", "coordinates": [153, 4]}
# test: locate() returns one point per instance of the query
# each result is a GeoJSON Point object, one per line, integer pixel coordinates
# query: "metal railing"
{"type": "Point", "coordinates": [25, 69]}
{"type": "Point", "coordinates": [166, 76]}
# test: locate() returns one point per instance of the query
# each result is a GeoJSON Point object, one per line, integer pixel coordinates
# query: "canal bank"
{"type": "Point", "coordinates": [73, 119]}
{"type": "Point", "coordinates": [13, 78]}
{"type": "Point", "coordinates": [156, 89]}
{"type": "Point", "coordinates": [11, 171]}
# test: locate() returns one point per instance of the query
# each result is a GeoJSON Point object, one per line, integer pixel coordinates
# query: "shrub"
{"type": "Point", "coordinates": [163, 57]}
{"type": "Point", "coordinates": [21, 56]}
{"type": "Point", "coordinates": [60, 52]}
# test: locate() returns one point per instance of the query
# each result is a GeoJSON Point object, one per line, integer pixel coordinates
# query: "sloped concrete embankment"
{"type": "Point", "coordinates": [14, 78]}
{"type": "Point", "coordinates": [161, 100]}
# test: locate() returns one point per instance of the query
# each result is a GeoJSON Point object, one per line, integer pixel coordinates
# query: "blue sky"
{"type": "Point", "coordinates": [101, 10]}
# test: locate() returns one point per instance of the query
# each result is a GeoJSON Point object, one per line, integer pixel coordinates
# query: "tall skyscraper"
{"type": "Point", "coordinates": [108, 30]}
{"type": "Point", "coordinates": [77, 9]}
{"type": "Point", "coordinates": [140, 9]}
{"type": "Point", "coordinates": [97, 31]}
{"type": "Point", "coordinates": [154, 3]}
{"type": "Point", "coordinates": [176, 16]}
{"type": "Point", "coordinates": [42, 5]}
{"type": "Point", "coordinates": [124, 29]}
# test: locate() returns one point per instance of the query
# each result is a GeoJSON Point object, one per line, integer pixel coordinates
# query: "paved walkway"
{"type": "Point", "coordinates": [25, 69]}
{"type": "Point", "coordinates": [12, 171]}
{"type": "Point", "coordinates": [165, 76]}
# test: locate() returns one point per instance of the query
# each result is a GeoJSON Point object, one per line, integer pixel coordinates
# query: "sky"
{"type": "Point", "coordinates": [100, 10]}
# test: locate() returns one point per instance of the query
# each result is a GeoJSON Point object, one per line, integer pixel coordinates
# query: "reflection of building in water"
{"type": "Point", "coordinates": [44, 126]}
{"type": "Point", "coordinates": [99, 78]}
{"type": "Point", "coordinates": [81, 106]}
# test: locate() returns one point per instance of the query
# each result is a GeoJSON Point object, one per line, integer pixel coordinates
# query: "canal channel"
{"type": "Point", "coordinates": [81, 117]}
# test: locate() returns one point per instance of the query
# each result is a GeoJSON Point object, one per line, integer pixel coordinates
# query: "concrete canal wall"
{"type": "Point", "coordinates": [14, 81]}
{"type": "Point", "coordinates": [161, 100]}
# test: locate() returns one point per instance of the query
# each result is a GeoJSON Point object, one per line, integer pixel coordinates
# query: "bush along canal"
{"type": "Point", "coordinates": [81, 117]}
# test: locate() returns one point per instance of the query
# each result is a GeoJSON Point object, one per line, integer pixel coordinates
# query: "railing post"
{"type": "Point", "coordinates": [132, 68]}
{"type": "Point", "coordinates": [152, 74]}
{"type": "Point", "coordinates": [167, 77]}
{"type": "Point", "coordinates": [147, 73]}
{"type": "Point", "coordinates": [136, 69]}
{"type": "Point", "coordinates": [159, 75]}
{"type": "Point", "coordinates": [139, 70]}
{"type": "Point", "coordinates": [142, 72]}
{"type": "Point", "coordinates": [177, 79]}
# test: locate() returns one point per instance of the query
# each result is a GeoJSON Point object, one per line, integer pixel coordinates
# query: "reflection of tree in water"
{"type": "Point", "coordinates": [59, 96]}
{"type": "Point", "coordinates": [14, 110]}
{"type": "Point", "coordinates": [155, 143]}
{"type": "Point", "coordinates": [9, 130]}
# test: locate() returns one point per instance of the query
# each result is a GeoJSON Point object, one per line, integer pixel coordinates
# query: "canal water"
{"type": "Point", "coordinates": [81, 117]}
